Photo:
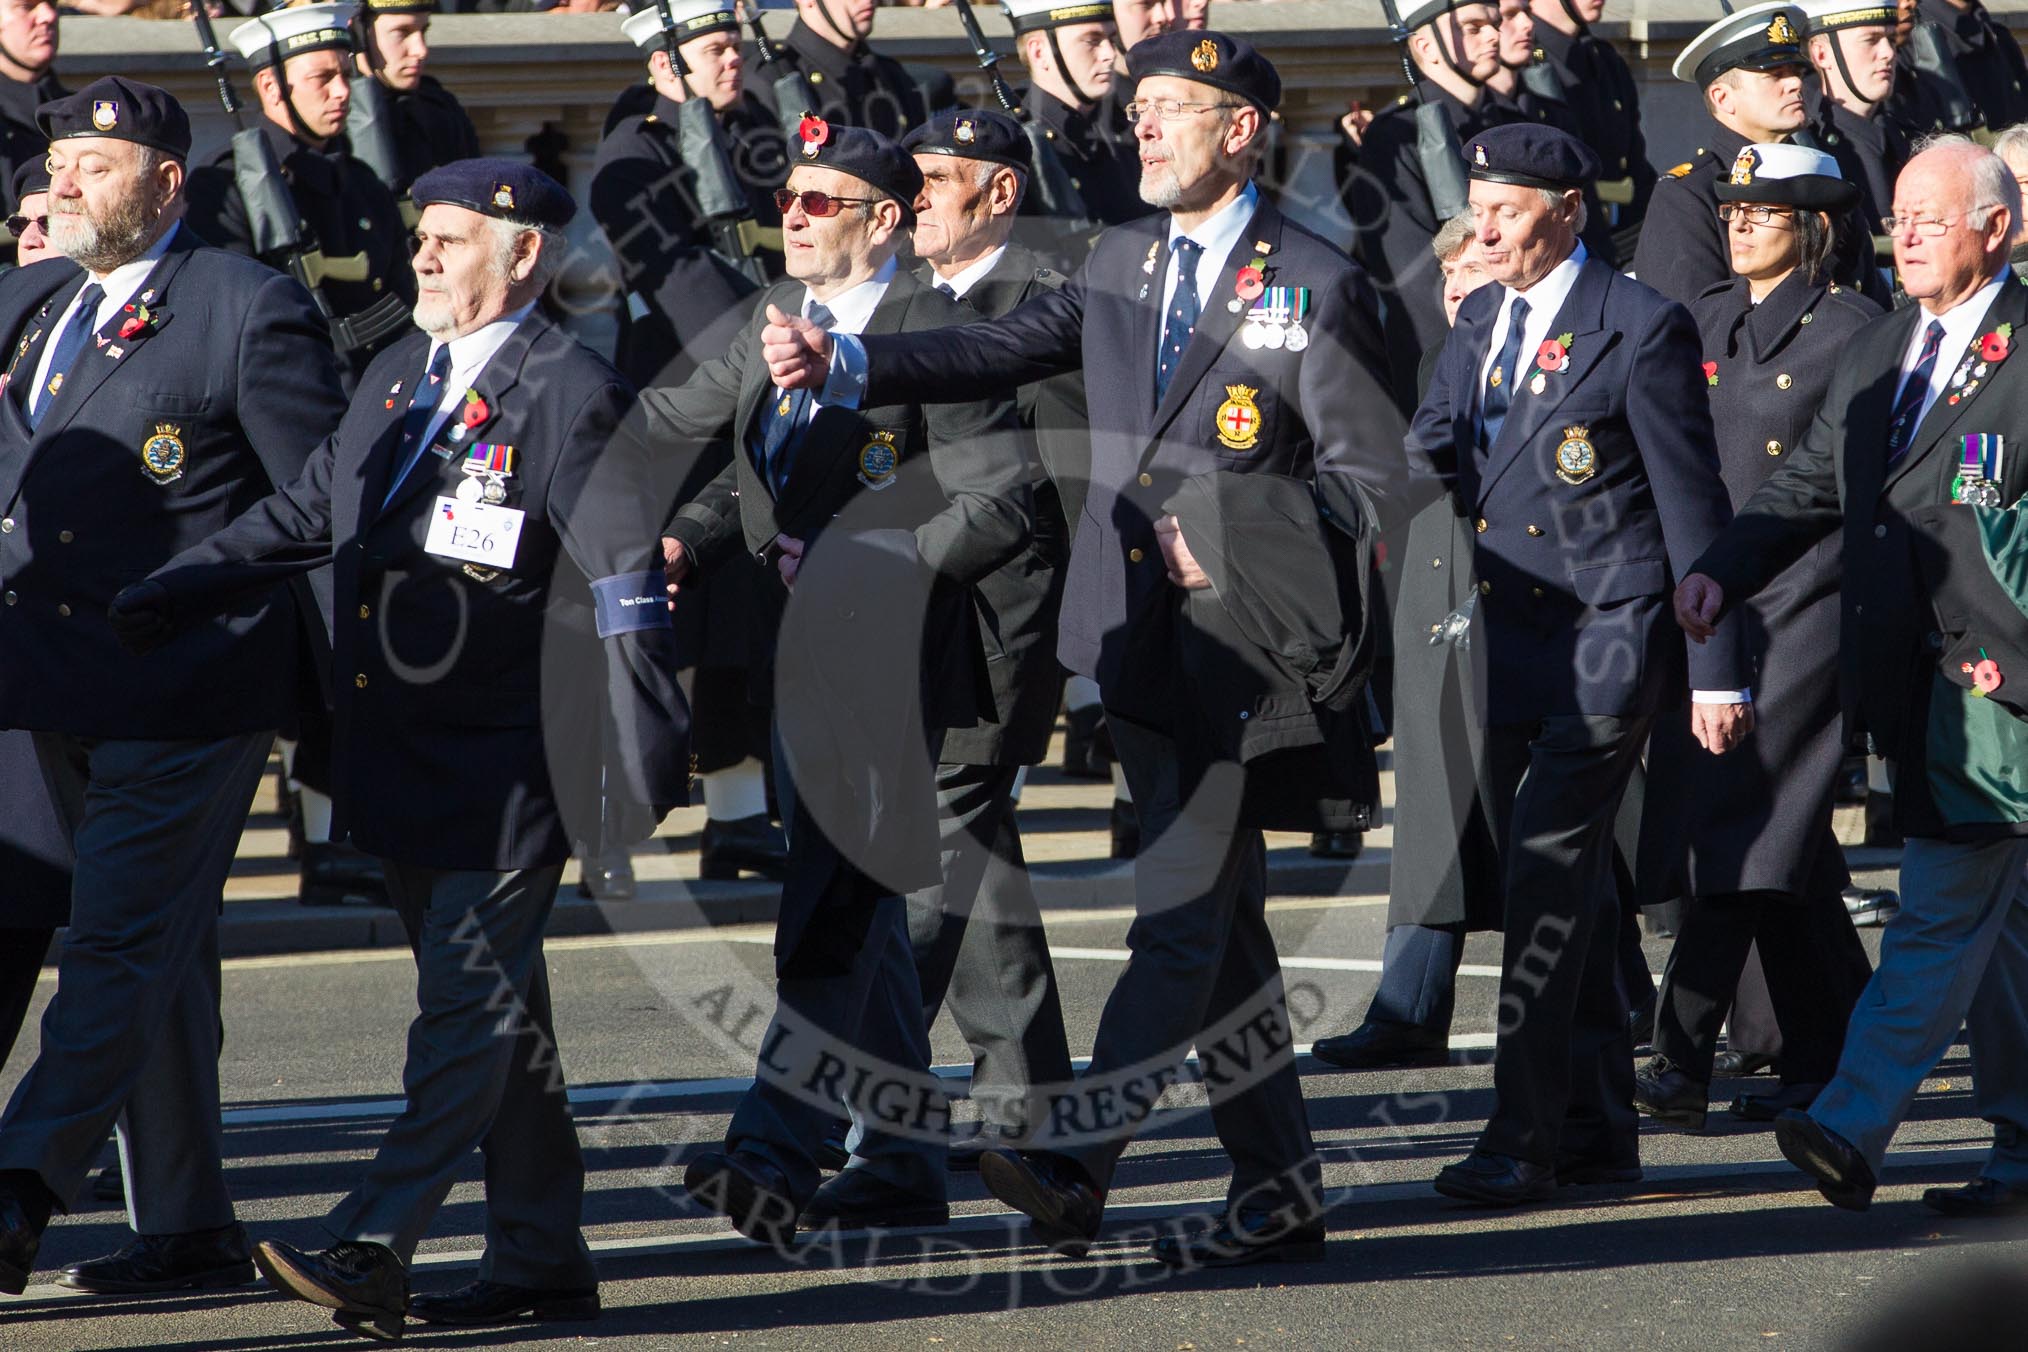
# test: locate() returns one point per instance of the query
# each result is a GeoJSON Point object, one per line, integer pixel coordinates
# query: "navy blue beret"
{"type": "Point", "coordinates": [1532, 155]}
{"type": "Point", "coordinates": [31, 176]}
{"type": "Point", "coordinates": [122, 109]}
{"type": "Point", "coordinates": [866, 155]}
{"type": "Point", "coordinates": [494, 187]}
{"type": "Point", "coordinates": [973, 134]}
{"type": "Point", "coordinates": [1215, 59]}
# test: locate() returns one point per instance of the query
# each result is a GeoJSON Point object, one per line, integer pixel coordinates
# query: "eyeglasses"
{"type": "Point", "coordinates": [18, 225]}
{"type": "Point", "coordinates": [818, 204]}
{"type": "Point", "coordinates": [1930, 227]}
{"type": "Point", "coordinates": [1757, 213]}
{"type": "Point", "coordinates": [1168, 110]}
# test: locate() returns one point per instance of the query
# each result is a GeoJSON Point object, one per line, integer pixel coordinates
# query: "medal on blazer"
{"type": "Point", "coordinates": [487, 468]}
{"type": "Point", "coordinates": [878, 461]}
{"type": "Point", "coordinates": [1576, 461]}
{"type": "Point", "coordinates": [162, 454]}
{"type": "Point", "coordinates": [1237, 424]}
{"type": "Point", "coordinates": [1981, 462]}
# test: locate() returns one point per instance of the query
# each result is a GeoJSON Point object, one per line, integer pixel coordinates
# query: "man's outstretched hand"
{"type": "Point", "coordinates": [797, 352]}
{"type": "Point", "coordinates": [140, 616]}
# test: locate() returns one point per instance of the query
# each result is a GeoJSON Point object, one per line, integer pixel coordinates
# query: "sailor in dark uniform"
{"type": "Point", "coordinates": [431, 126]}
{"type": "Point", "coordinates": [27, 80]}
{"type": "Point", "coordinates": [1749, 834]}
{"type": "Point", "coordinates": [1982, 55]}
{"type": "Point", "coordinates": [1600, 88]}
{"type": "Point", "coordinates": [1852, 48]}
{"type": "Point", "coordinates": [685, 299]}
{"type": "Point", "coordinates": [857, 86]}
{"type": "Point", "coordinates": [1456, 48]}
{"type": "Point", "coordinates": [1527, 87]}
{"type": "Point", "coordinates": [1751, 67]}
{"type": "Point", "coordinates": [1073, 66]}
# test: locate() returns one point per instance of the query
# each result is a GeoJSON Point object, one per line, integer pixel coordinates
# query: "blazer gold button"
{"type": "Point", "coordinates": [365, 612]}
{"type": "Point", "coordinates": [7, 525]}
{"type": "Point", "coordinates": [1774, 448]}
{"type": "Point", "coordinates": [1784, 380]}
{"type": "Point", "coordinates": [1135, 556]}
{"type": "Point", "coordinates": [1536, 592]}
{"type": "Point", "coordinates": [1482, 525]}
{"type": "Point", "coordinates": [63, 610]}
{"type": "Point", "coordinates": [10, 598]}
{"type": "Point", "coordinates": [1486, 588]}
{"type": "Point", "coordinates": [1535, 530]}
{"type": "Point", "coordinates": [1436, 563]}
{"type": "Point", "coordinates": [65, 537]}
{"type": "Point", "coordinates": [1880, 532]}
{"type": "Point", "coordinates": [360, 680]}
{"type": "Point", "coordinates": [1808, 317]}
{"type": "Point", "coordinates": [1147, 481]}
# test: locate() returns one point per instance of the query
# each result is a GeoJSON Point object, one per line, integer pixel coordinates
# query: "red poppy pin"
{"type": "Point", "coordinates": [1552, 356]}
{"type": "Point", "coordinates": [1251, 283]}
{"type": "Point", "coordinates": [814, 130]}
{"type": "Point", "coordinates": [140, 319]}
{"type": "Point", "coordinates": [475, 411]}
{"type": "Point", "coordinates": [1994, 346]}
{"type": "Point", "coordinates": [1711, 373]}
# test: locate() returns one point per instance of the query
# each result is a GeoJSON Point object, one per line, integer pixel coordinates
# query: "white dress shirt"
{"type": "Point", "coordinates": [120, 285]}
{"type": "Point", "coordinates": [1544, 299]}
{"type": "Point", "coordinates": [1961, 323]}
{"type": "Point", "coordinates": [469, 356]}
{"type": "Point", "coordinates": [852, 309]}
{"type": "Point", "coordinates": [1219, 235]}
{"type": "Point", "coordinates": [971, 275]}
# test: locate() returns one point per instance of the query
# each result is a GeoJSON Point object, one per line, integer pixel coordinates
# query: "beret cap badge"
{"type": "Point", "coordinates": [1479, 156]}
{"type": "Point", "coordinates": [965, 133]}
{"type": "Point", "coordinates": [1205, 57]}
{"type": "Point", "coordinates": [105, 114]}
{"type": "Point", "coordinates": [503, 196]}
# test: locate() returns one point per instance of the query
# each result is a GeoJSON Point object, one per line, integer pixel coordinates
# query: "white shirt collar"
{"type": "Point", "coordinates": [853, 307]}
{"type": "Point", "coordinates": [471, 351]}
{"type": "Point", "coordinates": [965, 280]}
{"type": "Point", "coordinates": [123, 281]}
{"type": "Point", "coordinates": [1546, 297]}
{"type": "Point", "coordinates": [1961, 324]}
{"type": "Point", "coordinates": [1223, 229]}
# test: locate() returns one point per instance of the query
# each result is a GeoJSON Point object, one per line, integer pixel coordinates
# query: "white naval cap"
{"type": "Point", "coordinates": [693, 18]}
{"type": "Point", "coordinates": [1416, 13]}
{"type": "Point", "coordinates": [1759, 37]}
{"type": "Point", "coordinates": [1826, 16]}
{"type": "Point", "coordinates": [1030, 16]}
{"type": "Point", "coordinates": [291, 32]}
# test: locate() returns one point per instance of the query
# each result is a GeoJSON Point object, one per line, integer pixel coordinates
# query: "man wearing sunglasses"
{"type": "Point", "coordinates": [27, 80]}
{"type": "Point", "coordinates": [29, 225]}
{"type": "Point", "coordinates": [818, 488]}
{"type": "Point", "coordinates": [1246, 383]}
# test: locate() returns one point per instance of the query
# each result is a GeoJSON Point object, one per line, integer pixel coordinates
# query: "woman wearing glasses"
{"type": "Point", "coordinates": [1747, 837]}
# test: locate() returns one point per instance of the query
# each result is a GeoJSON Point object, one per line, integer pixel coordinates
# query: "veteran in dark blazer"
{"type": "Point", "coordinates": [501, 660]}
{"type": "Point", "coordinates": [1568, 419]}
{"type": "Point", "coordinates": [833, 497]}
{"type": "Point", "coordinates": [154, 389]}
{"type": "Point", "coordinates": [1915, 423]}
{"type": "Point", "coordinates": [1234, 344]}
{"type": "Point", "coordinates": [1747, 836]}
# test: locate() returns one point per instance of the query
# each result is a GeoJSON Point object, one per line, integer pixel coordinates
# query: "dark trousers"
{"type": "Point", "coordinates": [21, 955]}
{"type": "Point", "coordinates": [979, 945]}
{"type": "Point", "coordinates": [1563, 1072]}
{"type": "Point", "coordinates": [1202, 958]}
{"type": "Point", "coordinates": [1419, 977]}
{"type": "Point", "coordinates": [482, 1073]}
{"type": "Point", "coordinates": [1815, 964]}
{"type": "Point", "coordinates": [131, 1037]}
{"type": "Point", "coordinates": [1752, 1025]}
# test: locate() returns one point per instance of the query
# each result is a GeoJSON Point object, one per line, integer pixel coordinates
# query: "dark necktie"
{"type": "Point", "coordinates": [1499, 390]}
{"type": "Point", "coordinates": [784, 418]}
{"type": "Point", "coordinates": [69, 343]}
{"type": "Point", "coordinates": [1914, 389]}
{"type": "Point", "coordinates": [1181, 321]}
{"type": "Point", "coordinates": [422, 406]}
{"type": "Point", "coordinates": [948, 290]}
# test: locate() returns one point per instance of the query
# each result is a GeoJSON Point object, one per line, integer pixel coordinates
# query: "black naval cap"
{"type": "Point", "coordinates": [1214, 59]}
{"type": "Point", "coordinates": [1759, 38]}
{"type": "Point", "coordinates": [1532, 155]}
{"type": "Point", "coordinates": [973, 134]}
{"type": "Point", "coordinates": [122, 109]}
{"type": "Point", "coordinates": [31, 176]}
{"type": "Point", "coordinates": [1787, 175]}
{"type": "Point", "coordinates": [508, 189]}
{"type": "Point", "coordinates": [866, 155]}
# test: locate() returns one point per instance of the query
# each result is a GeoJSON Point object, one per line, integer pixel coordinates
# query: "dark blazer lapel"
{"type": "Point", "coordinates": [1141, 289]}
{"type": "Point", "coordinates": [1582, 316]}
{"type": "Point", "coordinates": [499, 375]}
{"type": "Point", "coordinates": [1217, 320]}
{"type": "Point", "coordinates": [2009, 307]}
{"type": "Point", "coordinates": [377, 467]}
{"type": "Point", "coordinates": [835, 431]}
{"type": "Point", "coordinates": [36, 317]}
{"type": "Point", "coordinates": [756, 386]}
{"type": "Point", "coordinates": [108, 350]}
{"type": "Point", "coordinates": [1474, 334]}
{"type": "Point", "coordinates": [1771, 324]}
{"type": "Point", "coordinates": [1865, 420]}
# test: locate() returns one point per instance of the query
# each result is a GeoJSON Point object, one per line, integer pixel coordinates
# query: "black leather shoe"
{"type": "Point", "coordinates": [607, 876]}
{"type": "Point", "coordinates": [1087, 750]}
{"type": "Point", "coordinates": [1641, 1020]}
{"type": "Point", "coordinates": [363, 1284]}
{"type": "Point", "coordinates": [1741, 1063]}
{"type": "Point", "coordinates": [1842, 1173]}
{"type": "Point", "coordinates": [1981, 1197]}
{"type": "Point", "coordinates": [1767, 1107]}
{"type": "Point", "coordinates": [1126, 829]}
{"type": "Point", "coordinates": [336, 874]}
{"type": "Point", "coordinates": [749, 1192]}
{"type": "Point", "coordinates": [201, 1261]}
{"type": "Point", "coordinates": [1337, 844]}
{"type": "Point", "coordinates": [1866, 906]}
{"type": "Point", "coordinates": [1378, 1046]}
{"type": "Point", "coordinates": [1249, 1237]}
{"type": "Point", "coordinates": [859, 1199]}
{"type": "Point", "coordinates": [1670, 1096]}
{"type": "Point", "coordinates": [965, 1151]}
{"type": "Point", "coordinates": [20, 1239]}
{"type": "Point", "coordinates": [1061, 1205]}
{"type": "Point", "coordinates": [746, 845]}
{"type": "Point", "coordinates": [483, 1303]}
{"type": "Point", "coordinates": [1496, 1180]}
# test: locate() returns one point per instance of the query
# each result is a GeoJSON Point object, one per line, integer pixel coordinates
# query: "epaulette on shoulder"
{"type": "Point", "coordinates": [1680, 169]}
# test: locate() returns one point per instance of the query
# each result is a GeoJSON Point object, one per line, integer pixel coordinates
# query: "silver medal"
{"type": "Point", "coordinates": [494, 492]}
{"type": "Point", "coordinates": [1253, 335]}
{"type": "Point", "coordinates": [457, 431]}
{"type": "Point", "coordinates": [1274, 335]}
{"type": "Point", "coordinates": [1296, 339]}
{"type": "Point", "coordinates": [1235, 305]}
{"type": "Point", "coordinates": [468, 490]}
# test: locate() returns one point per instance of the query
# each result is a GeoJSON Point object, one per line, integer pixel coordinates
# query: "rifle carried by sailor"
{"type": "Point", "coordinates": [1055, 195]}
{"type": "Point", "coordinates": [369, 123]}
{"type": "Point", "coordinates": [794, 94]}
{"type": "Point", "coordinates": [1436, 141]}
{"type": "Point", "coordinates": [716, 192]}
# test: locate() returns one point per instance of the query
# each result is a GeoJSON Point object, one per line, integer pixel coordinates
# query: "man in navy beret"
{"type": "Point", "coordinates": [1567, 417]}
{"type": "Point", "coordinates": [155, 388]}
{"type": "Point", "coordinates": [497, 620]}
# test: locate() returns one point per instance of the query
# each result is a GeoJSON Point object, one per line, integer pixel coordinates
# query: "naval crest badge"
{"type": "Point", "coordinates": [878, 461]}
{"type": "Point", "coordinates": [1479, 156]}
{"type": "Point", "coordinates": [105, 114]}
{"type": "Point", "coordinates": [162, 454]}
{"type": "Point", "coordinates": [1782, 32]}
{"type": "Point", "coordinates": [1743, 166]}
{"type": "Point", "coordinates": [1237, 424]}
{"type": "Point", "coordinates": [503, 196]}
{"type": "Point", "coordinates": [965, 133]}
{"type": "Point", "coordinates": [1576, 460]}
{"type": "Point", "coordinates": [1205, 57]}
